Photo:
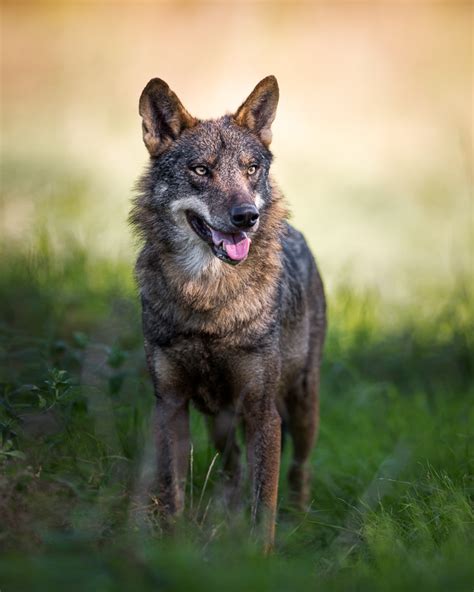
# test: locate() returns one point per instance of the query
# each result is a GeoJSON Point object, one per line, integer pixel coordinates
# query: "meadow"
{"type": "Point", "coordinates": [393, 470]}
{"type": "Point", "coordinates": [378, 177]}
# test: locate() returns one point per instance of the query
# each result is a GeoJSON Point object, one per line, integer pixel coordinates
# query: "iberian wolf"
{"type": "Point", "coordinates": [233, 305]}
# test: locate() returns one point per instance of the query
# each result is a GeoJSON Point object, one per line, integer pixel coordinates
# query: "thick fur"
{"type": "Point", "coordinates": [242, 343]}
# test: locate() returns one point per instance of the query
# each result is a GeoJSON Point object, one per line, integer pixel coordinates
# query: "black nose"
{"type": "Point", "coordinates": [244, 215]}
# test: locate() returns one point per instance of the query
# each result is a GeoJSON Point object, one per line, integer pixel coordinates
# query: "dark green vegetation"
{"type": "Point", "coordinates": [393, 470]}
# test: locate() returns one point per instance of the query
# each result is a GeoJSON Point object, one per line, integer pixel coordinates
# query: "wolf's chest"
{"type": "Point", "coordinates": [205, 374]}
{"type": "Point", "coordinates": [211, 386]}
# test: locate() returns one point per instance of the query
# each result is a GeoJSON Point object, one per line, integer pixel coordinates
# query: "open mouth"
{"type": "Point", "coordinates": [231, 247]}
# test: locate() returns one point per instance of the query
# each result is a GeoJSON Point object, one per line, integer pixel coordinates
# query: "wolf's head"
{"type": "Point", "coordinates": [207, 189]}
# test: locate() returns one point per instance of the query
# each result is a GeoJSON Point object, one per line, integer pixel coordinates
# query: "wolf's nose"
{"type": "Point", "coordinates": [244, 215]}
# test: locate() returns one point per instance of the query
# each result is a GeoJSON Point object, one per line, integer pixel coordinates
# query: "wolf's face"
{"type": "Point", "coordinates": [210, 178]}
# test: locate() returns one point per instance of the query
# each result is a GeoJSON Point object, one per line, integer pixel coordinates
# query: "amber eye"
{"type": "Point", "coordinates": [252, 169]}
{"type": "Point", "coordinates": [200, 170]}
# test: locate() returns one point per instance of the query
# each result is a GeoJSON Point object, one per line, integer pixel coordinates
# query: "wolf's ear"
{"type": "Point", "coordinates": [164, 117]}
{"type": "Point", "coordinates": [258, 111]}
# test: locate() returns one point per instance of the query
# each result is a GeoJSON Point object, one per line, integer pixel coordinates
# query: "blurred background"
{"type": "Point", "coordinates": [374, 150]}
{"type": "Point", "coordinates": [373, 136]}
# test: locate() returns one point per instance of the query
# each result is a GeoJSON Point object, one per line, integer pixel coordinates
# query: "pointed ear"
{"type": "Point", "coordinates": [164, 117]}
{"type": "Point", "coordinates": [258, 111]}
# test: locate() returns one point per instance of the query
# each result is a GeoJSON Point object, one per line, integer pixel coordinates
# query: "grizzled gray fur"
{"type": "Point", "coordinates": [233, 305]}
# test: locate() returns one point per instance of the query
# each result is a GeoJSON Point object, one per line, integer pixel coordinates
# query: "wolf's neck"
{"type": "Point", "coordinates": [219, 285]}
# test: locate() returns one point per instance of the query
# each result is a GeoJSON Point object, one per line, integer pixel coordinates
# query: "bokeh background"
{"type": "Point", "coordinates": [373, 138]}
{"type": "Point", "coordinates": [374, 150]}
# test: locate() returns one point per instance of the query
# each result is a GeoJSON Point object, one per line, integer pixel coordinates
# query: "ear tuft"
{"type": "Point", "coordinates": [258, 111]}
{"type": "Point", "coordinates": [163, 116]}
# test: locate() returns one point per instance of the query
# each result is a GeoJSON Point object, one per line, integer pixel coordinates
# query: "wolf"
{"type": "Point", "coordinates": [233, 306]}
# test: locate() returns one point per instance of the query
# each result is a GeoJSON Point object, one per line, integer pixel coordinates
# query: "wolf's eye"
{"type": "Point", "coordinates": [252, 169]}
{"type": "Point", "coordinates": [200, 170]}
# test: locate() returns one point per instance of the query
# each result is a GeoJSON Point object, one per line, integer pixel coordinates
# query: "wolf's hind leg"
{"type": "Point", "coordinates": [222, 429]}
{"type": "Point", "coordinates": [303, 423]}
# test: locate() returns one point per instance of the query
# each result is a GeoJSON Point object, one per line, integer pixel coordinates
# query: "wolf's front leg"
{"type": "Point", "coordinates": [171, 434]}
{"type": "Point", "coordinates": [263, 433]}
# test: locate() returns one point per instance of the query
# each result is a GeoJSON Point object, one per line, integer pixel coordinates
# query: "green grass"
{"type": "Point", "coordinates": [393, 469]}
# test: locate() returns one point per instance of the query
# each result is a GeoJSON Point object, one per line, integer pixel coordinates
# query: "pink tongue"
{"type": "Point", "coordinates": [236, 244]}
